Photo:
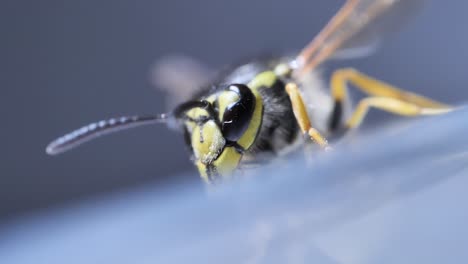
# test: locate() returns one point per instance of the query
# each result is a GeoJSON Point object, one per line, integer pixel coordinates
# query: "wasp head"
{"type": "Point", "coordinates": [220, 128]}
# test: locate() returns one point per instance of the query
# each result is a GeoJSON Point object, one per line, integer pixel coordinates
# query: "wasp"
{"type": "Point", "coordinates": [272, 105]}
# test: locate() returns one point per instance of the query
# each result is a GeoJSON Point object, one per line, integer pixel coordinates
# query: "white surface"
{"type": "Point", "coordinates": [396, 196]}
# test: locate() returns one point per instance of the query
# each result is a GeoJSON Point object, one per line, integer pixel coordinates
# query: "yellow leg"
{"type": "Point", "coordinates": [383, 96]}
{"type": "Point", "coordinates": [302, 117]}
{"type": "Point", "coordinates": [390, 105]}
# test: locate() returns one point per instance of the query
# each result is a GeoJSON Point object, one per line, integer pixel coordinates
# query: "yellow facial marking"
{"type": "Point", "coordinates": [202, 169]}
{"type": "Point", "coordinates": [197, 112]}
{"type": "Point", "coordinates": [207, 142]}
{"type": "Point", "coordinates": [224, 165]}
{"type": "Point", "coordinates": [227, 162]}
{"type": "Point", "coordinates": [211, 98]}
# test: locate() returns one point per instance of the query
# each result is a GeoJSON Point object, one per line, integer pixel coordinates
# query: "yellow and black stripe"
{"type": "Point", "coordinates": [236, 119]}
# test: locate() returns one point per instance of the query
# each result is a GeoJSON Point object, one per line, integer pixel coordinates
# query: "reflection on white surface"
{"type": "Point", "coordinates": [396, 196]}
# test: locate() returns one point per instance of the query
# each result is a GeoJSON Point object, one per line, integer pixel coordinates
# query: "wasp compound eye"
{"type": "Point", "coordinates": [237, 115]}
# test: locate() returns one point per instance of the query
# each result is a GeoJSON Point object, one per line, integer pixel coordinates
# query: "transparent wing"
{"type": "Point", "coordinates": [356, 24]}
{"type": "Point", "coordinates": [180, 77]}
{"type": "Point", "coordinates": [357, 51]}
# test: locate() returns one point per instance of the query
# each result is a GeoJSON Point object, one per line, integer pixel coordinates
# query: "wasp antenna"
{"type": "Point", "coordinates": [97, 129]}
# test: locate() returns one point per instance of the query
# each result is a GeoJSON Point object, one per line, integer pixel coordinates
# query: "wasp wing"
{"type": "Point", "coordinates": [356, 24]}
{"type": "Point", "coordinates": [360, 50]}
{"type": "Point", "coordinates": [180, 77]}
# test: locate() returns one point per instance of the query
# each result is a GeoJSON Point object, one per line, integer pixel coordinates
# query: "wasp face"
{"type": "Point", "coordinates": [220, 128]}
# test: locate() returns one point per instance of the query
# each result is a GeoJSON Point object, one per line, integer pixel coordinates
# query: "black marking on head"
{"type": "Point", "coordinates": [180, 111]}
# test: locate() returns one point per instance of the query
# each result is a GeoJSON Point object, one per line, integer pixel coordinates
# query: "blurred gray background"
{"type": "Point", "coordinates": [64, 64]}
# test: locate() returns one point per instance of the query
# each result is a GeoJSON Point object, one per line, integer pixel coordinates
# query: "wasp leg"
{"type": "Point", "coordinates": [390, 105]}
{"type": "Point", "coordinates": [302, 117]}
{"type": "Point", "coordinates": [382, 96]}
